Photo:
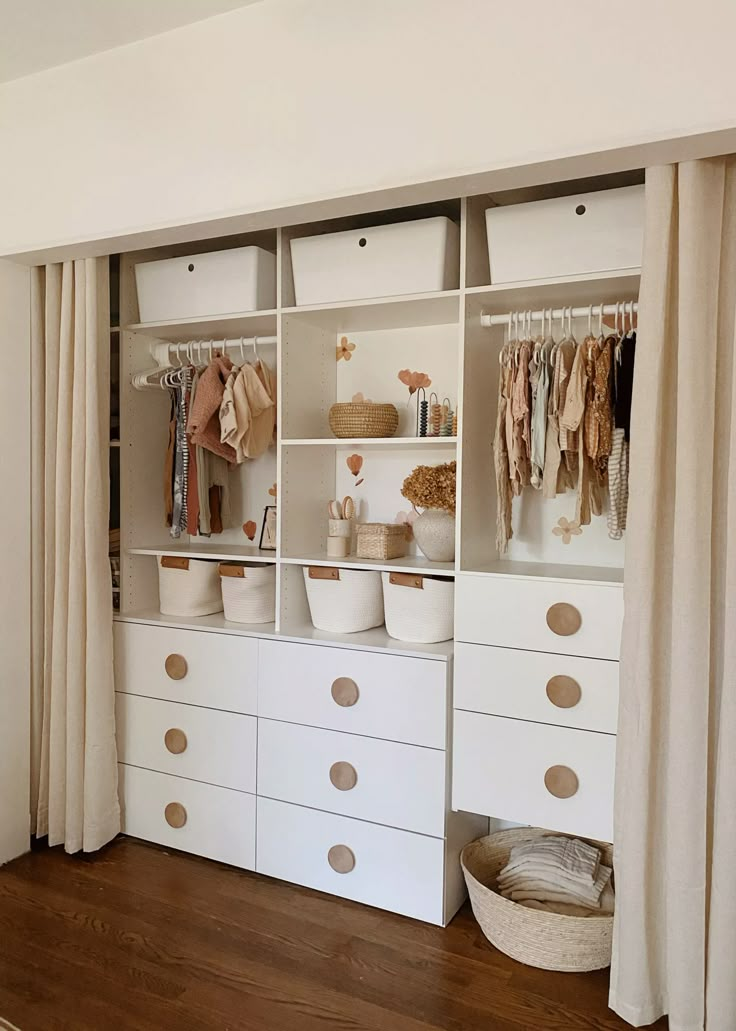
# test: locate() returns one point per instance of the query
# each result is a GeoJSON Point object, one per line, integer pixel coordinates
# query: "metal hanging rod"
{"type": "Point", "coordinates": [593, 310]}
{"type": "Point", "coordinates": [210, 346]}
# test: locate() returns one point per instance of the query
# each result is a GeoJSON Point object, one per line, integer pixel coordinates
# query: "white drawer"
{"type": "Point", "coordinates": [561, 689]}
{"type": "Point", "coordinates": [392, 869]}
{"type": "Point", "coordinates": [500, 768]}
{"type": "Point", "coordinates": [399, 785]}
{"type": "Point", "coordinates": [208, 821]}
{"type": "Point", "coordinates": [386, 696]}
{"type": "Point", "coordinates": [211, 746]}
{"type": "Point", "coordinates": [540, 615]}
{"type": "Point", "coordinates": [219, 671]}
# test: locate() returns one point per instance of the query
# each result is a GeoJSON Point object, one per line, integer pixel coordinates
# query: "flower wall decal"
{"type": "Point", "coordinates": [273, 491]}
{"type": "Point", "coordinates": [414, 380]}
{"type": "Point", "coordinates": [407, 518]}
{"type": "Point", "coordinates": [354, 463]}
{"type": "Point", "coordinates": [567, 530]}
{"type": "Point", "coordinates": [344, 350]}
{"type": "Point", "coordinates": [249, 529]}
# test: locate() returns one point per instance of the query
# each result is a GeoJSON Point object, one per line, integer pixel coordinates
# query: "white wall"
{"type": "Point", "coordinates": [15, 533]}
{"type": "Point", "coordinates": [298, 100]}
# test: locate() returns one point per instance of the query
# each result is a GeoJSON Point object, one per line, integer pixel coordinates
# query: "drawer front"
{"type": "Point", "coordinates": [518, 771]}
{"type": "Point", "coordinates": [208, 821]}
{"type": "Point", "coordinates": [184, 740]}
{"type": "Point", "coordinates": [219, 671]}
{"type": "Point", "coordinates": [399, 785]}
{"type": "Point", "coordinates": [541, 615]}
{"type": "Point", "coordinates": [386, 696]}
{"type": "Point", "coordinates": [383, 867]}
{"type": "Point", "coordinates": [561, 689]}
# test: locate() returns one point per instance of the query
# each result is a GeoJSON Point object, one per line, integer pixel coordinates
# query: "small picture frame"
{"type": "Point", "coordinates": [268, 529]}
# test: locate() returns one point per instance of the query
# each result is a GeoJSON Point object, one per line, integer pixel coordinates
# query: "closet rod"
{"type": "Point", "coordinates": [594, 310]}
{"type": "Point", "coordinates": [215, 345]}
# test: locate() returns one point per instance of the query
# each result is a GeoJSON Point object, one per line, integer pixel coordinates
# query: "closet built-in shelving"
{"type": "Point", "coordinates": [440, 333]}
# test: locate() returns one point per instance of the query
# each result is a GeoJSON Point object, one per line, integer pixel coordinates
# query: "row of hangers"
{"type": "Point", "coordinates": [196, 353]}
{"type": "Point", "coordinates": [520, 329]}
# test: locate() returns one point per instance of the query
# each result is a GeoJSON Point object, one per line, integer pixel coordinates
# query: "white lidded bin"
{"type": "Point", "coordinates": [199, 285]}
{"type": "Point", "coordinates": [566, 236]}
{"type": "Point", "coordinates": [344, 601]}
{"type": "Point", "coordinates": [248, 592]}
{"type": "Point", "coordinates": [188, 586]}
{"type": "Point", "coordinates": [418, 608]}
{"type": "Point", "coordinates": [404, 258]}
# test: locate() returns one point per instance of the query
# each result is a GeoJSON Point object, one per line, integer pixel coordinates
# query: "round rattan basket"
{"type": "Point", "coordinates": [358, 419]}
{"type": "Point", "coordinates": [539, 939]}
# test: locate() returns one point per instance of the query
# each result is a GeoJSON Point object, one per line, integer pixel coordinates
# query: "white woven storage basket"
{"type": "Point", "coordinates": [344, 601]}
{"type": "Point", "coordinates": [248, 592]}
{"type": "Point", "coordinates": [188, 586]}
{"type": "Point", "coordinates": [418, 608]}
{"type": "Point", "coordinates": [539, 939]}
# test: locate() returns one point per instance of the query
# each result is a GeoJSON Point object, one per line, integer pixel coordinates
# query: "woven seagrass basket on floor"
{"type": "Point", "coordinates": [361, 419]}
{"type": "Point", "coordinates": [539, 939]}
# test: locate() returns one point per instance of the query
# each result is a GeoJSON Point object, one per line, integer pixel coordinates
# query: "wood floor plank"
{"type": "Point", "coordinates": [138, 938]}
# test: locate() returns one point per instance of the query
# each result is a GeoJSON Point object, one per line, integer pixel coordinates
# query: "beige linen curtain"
{"type": "Point", "coordinates": [675, 833]}
{"type": "Point", "coordinates": [73, 757]}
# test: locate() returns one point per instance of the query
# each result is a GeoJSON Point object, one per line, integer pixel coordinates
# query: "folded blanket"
{"type": "Point", "coordinates": [551, 886]}
{"type": "Point", "coordinates": [575, 857]}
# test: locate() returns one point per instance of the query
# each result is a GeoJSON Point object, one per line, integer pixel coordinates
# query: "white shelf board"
{"type": "Point", "coordinates": [548, 571]}
{"type": "Point", "coordinates": [408, 564]}
{"type": "Point", "coordinates": [235, 324]}
{"type": "Point", "coordinates": [399, 312]}
{"type": "Point", "coordinates": [366, 443]}
{"type": "Point", "coordinates": [223, 552]}
{"type": "Point", "coordinates": [376, 640]}
{"type": "Point", "coordinates": [590, 288]}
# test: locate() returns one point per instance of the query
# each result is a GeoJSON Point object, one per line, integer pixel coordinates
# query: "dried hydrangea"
{"type": "Point", "coordinates": [432, 486]}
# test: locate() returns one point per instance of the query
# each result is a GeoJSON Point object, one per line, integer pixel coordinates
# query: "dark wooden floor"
{"type": "Point", "coordinates": [139, 938]}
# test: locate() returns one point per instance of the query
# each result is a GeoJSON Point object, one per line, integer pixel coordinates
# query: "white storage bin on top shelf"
{"type": "Point", "coordinates": [199, 285]}
{"type": "Point", "coordinates": [188, 586]}
{"type": "Point", "coordinates": [404, 258]}
{"type": "Point", "coordinates": [344, 601]}
{"type": "Point", "coordinates": [566, 236]}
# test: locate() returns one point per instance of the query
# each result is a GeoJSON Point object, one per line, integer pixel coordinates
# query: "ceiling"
{"type": "Point", "coordinates": [39, 34]}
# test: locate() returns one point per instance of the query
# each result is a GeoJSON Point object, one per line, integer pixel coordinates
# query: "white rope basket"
{"type": "Point", "coordinates": [248, 592]}
{"type": "Point", "coordinates": [188, 586]}
{"type": "Point", "coordinates": [539, 939]}
{"type": "Point", "coordinates": [418, 608]}
{"type": "Point", "coordinates": [344, 601]}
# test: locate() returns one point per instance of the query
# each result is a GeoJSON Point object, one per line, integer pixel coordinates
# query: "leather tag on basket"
{"type": "Point", "coordinates": [236, 571]}
{"type": "Point", "coordinates": [324, 573]}
{"type": "Point", "coordinates": [406, 580]}
{"type": "Point", "coordinates": [174, 562]}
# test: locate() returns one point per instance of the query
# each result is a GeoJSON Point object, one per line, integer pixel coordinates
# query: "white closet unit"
{"type": "Point", "coordinates": [352, 763]}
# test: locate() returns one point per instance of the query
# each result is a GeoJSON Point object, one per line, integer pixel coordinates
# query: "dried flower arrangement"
{"type": "Point", "coordinates": [432, 486]}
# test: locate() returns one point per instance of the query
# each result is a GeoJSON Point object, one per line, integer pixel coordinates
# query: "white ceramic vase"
{"type": "Point", "coordinates": [434, 532]}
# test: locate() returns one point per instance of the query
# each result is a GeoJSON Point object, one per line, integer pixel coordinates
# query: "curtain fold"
{"type": "Point", "coordinates": [73, 755]}
{"type": "Point", "coordinates": [675, 823]}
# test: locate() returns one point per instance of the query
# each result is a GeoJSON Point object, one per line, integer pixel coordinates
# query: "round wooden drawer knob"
{"type": "Point", "coordinates": [343, 776]}
{"type": "Point", "coordinates": [176, 815]}
{"type": "Point", "coordinates": [176, 667]}
{"type": "Point", "coordinates": [345, 692]}
{"type": "Point", "coordinates": [341, 859]}
{"type": "Point", "coordinates": [175, 741]}
{"type": "Point", "coordinates": [563, 691]}
{"type": "Point", "coordinates": [561, 781]}
{"type": "Point", "coordinates": [563, 619]}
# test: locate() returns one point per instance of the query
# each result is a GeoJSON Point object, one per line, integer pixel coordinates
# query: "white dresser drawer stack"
{"type": "Point", "coordinates": [353, 778]}
{"type": "Point", "coordinates": [536, 700]}
{"type": "Point", "coordinates": [187, 736]}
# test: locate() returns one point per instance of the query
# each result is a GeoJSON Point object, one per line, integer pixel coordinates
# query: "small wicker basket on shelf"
{"type": "Point", "coordinates": [539, 939]}
{"type": "Point", "coordinates": [381, 540]}
{"type": "Point", "coordinates": [363, 419]}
